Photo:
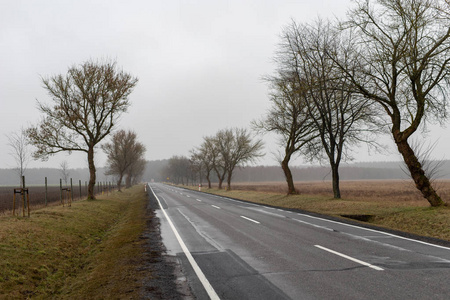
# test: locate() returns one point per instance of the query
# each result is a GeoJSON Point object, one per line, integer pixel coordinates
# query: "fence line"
{"type": "Point", "coordinates": [47, 194]}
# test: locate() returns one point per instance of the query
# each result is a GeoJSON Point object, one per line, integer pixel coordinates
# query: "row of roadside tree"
{"type": "Point", "coordinates": [385, 69]}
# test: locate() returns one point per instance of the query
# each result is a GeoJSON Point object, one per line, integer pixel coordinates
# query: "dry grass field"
{"type": "Point", "coordinates": [394, 204]}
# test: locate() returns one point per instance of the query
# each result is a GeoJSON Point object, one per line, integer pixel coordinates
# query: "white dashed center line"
{"type": "Point", "coordinates": [351, 258]}
{"type": "Point", "coordinates": [251, 220]}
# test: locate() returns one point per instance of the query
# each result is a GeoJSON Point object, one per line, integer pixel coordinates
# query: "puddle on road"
{"type": "Point", "coordinates": [168, 237]}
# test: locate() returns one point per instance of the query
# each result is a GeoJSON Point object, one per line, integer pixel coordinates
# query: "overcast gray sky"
{"type": "Point", "coordinates": [199, 65]}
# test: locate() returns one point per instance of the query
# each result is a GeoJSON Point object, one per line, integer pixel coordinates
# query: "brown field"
{"type": "Point", "coordinates": [398, 192]}
{"type": "Point", "coordinates": [394, 204]}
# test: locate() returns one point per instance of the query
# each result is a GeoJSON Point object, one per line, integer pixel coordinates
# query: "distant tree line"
{"type": "Point", "coordinates": [36, 176]}
{"type": "Point", "coordinates": [155, 170]}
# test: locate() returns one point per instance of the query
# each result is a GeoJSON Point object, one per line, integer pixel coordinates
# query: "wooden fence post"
{"type": "Point", "coordinates": [23, 196]}
{"type": "Point", "coordinates": [71, 192]}
{"type": "Point", "coordinates": [60, 192]}
{"type": "Point", "coordinates": [46, 191]}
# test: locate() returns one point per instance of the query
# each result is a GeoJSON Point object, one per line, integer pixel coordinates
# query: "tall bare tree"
{"type": "Point", "coordinates": [135, 172]}
{"type": "Point", "coordinates": [401, 60]}
{"type": "Point", "coordinates": [20, 151]}
{"type": "Point", "coordinates": [341, 117]}
{"type": "Point", "coordinates": [124, 153]}
{"type": "Point", "coordinates": [178, 169]}
{"type": "Point", "coordinates": [288, 117]}
{"type": "Point", "coordinates": [236, 148]}
{"type": "Point", "coordinates": [220, 143]}
{"type": "Point", "coordinates": [198, 166]}
{"type": "Point", "coordinates": [206, 155]}
{"type": "Point", "coordinates": [85, 106]}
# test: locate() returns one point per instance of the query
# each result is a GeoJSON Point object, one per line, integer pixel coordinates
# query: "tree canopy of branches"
{"type": "Point", "coordinates": [19, 145]}
{"type": "Point", "coordinates": [401, 61]}
{"type": "Point", "coordinates": [225, 151]}
{"type": "Point", "coordinates": [288, 117]}
{"type": "Point", "coordinates": [313, 106]}
{"type": "Point", "coordinates": [234, 148]}
{"type": "Point", "coordinates": [135, 172]}
{"type": "Point", "coordinates": [178, 170]}
{"type": "Point", "coordinates": [85, 106]}
{"type": "Point", "coordinates": [125, 156]}
{"type": "Point", "coordinates": [205, 156]}
{"type": "Point", "coordinates": [340, 117]}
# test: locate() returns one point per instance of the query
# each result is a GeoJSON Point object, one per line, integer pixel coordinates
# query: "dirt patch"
{"type": "Point", "coordinates": [363, 218]}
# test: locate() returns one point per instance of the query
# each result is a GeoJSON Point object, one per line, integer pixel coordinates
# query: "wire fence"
{"type": "Point", "coordinates": [47, 194]}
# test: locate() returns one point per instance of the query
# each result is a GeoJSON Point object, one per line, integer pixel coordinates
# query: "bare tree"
{"type": "Point", "coordinates": [220, 143]}
{"type": "Point", "coordinates": [341, 118]}
{"type": "Point", "coordinates": [236, 148]}
{"type": "Point", "coordinates": [122, 152]}
{"type": "Point", "coordinates": [135, 172]}
{"type": "Point", "coordinates": [64, 170]}
{"type": "Point", "coordinates": [198, 167]}
{"type": "Point", "coordinates": [86, 104]}
{"type": "Point", "coordinates": [401, 62]}
{"type": "Point", "coordinates": [178, 169]}
{"type": "Point", "coordinates": [20, 151]}
{"type": "Point", "coordinates": [288, 117]}
{"type": "Point", "coordinates": [206, 155]}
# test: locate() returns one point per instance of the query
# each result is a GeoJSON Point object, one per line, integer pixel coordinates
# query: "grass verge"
{"type": "Point", "coordinates": [408, 216]}
{"type": "Point", "coordinates": [88, 251]}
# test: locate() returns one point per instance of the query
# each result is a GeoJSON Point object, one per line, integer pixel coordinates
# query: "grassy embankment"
{"type": "Point", "coordinates": [88, 251]}
{"type": "Point", "coordinates": [390, 204]}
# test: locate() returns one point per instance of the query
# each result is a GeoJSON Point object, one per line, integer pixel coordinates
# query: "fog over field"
{"type": "Point", "coordinates": [155, 171]}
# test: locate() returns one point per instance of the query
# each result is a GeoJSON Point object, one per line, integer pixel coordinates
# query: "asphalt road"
{"type": "Point", "coordinates": [248, 251]}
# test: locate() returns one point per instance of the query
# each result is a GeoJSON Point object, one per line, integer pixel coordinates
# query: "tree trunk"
{"type": "Point", "coordinates": [208, 179]}
{"type": "Point", "coordinates": [288, 176]}
{"type": "Point", "coordinates": [422, 182]}
{"type": "Point", "coordinates": [220, 177]}
{"type": "Point", "coordinates": [128, 181]}
{"type": "Point", "coordinates": [92, 175]}
{"type": "Point", "coordinates": [230, 174]}
{"type": "Point", "coordinates": [119, 182]}
{"type": "Point", "coordinates": [335, 178]}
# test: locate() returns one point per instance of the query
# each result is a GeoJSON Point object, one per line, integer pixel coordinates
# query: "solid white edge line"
{"type": "Point", "coordinates": [208, 287]}
{"type": "Point", "coordinates": [251, 220]}
{"type": "Point", "coordinates": [350, 258]}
